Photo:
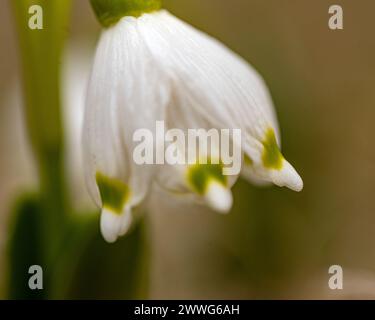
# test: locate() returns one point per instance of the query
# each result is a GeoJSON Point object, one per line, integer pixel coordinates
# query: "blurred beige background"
{"type": "Point", "coordinates": [275, 243]}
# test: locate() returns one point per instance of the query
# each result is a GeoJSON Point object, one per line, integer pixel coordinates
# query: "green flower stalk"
{"type": "Point", "coordinates": [44, 230]}
{"type": "Point", "coordinates": [41, 54]}
{"type": "Point", "coordinates": [111, 11]}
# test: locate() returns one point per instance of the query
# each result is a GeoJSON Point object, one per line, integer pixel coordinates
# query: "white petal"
{"type": "Point", "coordinates": [126, 92]}
{"type": "Point", "coordinates": [110, 225]}
{"type": "Point", "coordinates": [175, 179]}
{"type": "Point", "coordinates": [287, 177]}
{"type": "Point", "coordinates": [75, 74]}
{"type": "Point", "coordinates": [211, 83]}
{"type": "Point", "coordinates": [219, 198]}
{"type": "Point", "coordinates": [216, 82]}
{"type": "Point", "coordinates": [126, 221]}
{"type": "Point", "coordinates": [251, 175]}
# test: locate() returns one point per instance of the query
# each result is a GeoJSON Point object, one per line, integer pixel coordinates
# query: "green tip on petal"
{"type": "Point", "coordinates": [208, 181]}
{"type": "Point", "coordinates": [248, 161]}
{"type": "Point", "coordinates": [113, 192]}
{"type": "Point", "coordinates": [111, 11]}
{"type": "Point", "coordinates": [271, 157]}
{"type": "Point", "coordinates": [200, 175]}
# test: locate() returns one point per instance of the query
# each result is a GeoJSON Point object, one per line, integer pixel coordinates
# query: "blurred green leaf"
{"type": "Point", "coordinates": [86, 266]}
{"type": "Point", "coordinates": [113, 271]}
{"type": "Point", "coordinates": [24, 248]}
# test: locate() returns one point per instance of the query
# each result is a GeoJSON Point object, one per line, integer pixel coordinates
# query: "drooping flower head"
{"type": "Point", "coordinates": [150, 66]}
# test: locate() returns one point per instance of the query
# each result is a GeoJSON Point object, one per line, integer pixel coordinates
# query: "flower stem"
{"type": "Point", "coordinates": [111, 11]}
{"type": "Point", "coordinates": [40, 51]}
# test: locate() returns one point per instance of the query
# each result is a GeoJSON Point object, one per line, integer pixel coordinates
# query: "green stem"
{"type": "Point", "coordinates": [40, 54]}
{"type": "Point", "coordinates": [111, 11]}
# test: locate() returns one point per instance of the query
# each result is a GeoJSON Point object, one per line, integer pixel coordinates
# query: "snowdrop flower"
{"type": "Point", "coordinates": [151, 66]}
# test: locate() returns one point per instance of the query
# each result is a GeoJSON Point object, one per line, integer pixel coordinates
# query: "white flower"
{"type": "Point", "coordinates": [156, 67]}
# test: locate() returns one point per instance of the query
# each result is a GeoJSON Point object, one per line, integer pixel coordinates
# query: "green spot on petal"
{"type": "Point", "coordinates": [248, 161]}
{"type": "Point", "coordinates": [113, 192]}
{"type": "Point", "coordinates": [271, 157]}
{"type": "Point", "coordinates": [200, 175]}
{"type": "Point", "coordinates": [111, 11]}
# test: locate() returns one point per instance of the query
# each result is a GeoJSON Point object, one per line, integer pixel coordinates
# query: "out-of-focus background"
{"type": "Point", "coordinates": [274, 243]}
